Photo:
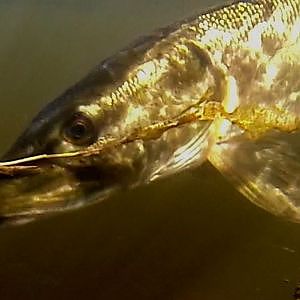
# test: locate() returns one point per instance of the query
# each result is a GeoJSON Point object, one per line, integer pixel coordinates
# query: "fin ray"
{"type": "Point", "coordinates": [192, 154]}
{"type": "Point", "coordinates": [266, 171]}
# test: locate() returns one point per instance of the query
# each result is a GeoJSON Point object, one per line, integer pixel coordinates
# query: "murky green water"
{"type": "Point", "coordinates": [188, 237]}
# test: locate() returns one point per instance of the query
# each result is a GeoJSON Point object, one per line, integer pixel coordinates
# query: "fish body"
{"type": "Point", "coordinates": [223, 85]}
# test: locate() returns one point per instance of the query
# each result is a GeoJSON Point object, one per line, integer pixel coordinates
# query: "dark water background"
{"type": "Point", "coordinates": [188, 237]}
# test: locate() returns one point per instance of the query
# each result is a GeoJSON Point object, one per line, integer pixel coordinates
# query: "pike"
{"type": "Point", "coordinates": [222, 86]}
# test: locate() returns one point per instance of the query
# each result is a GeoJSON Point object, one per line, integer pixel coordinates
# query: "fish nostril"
{"type": "Point", "coordinates": [18, 151]}
{"type": "Point", "coordinates": [25, 148]}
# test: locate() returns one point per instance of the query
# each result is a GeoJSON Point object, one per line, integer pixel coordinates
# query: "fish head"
{"type": "Point", "coordinates": [121, 107]}
{"type": "Point", "coordinates": [71, 123]}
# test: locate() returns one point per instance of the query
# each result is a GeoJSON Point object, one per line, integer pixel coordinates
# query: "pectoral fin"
{"type": "Point", "coordinates": [266, 171]}
{"type": "Point", "coordinates": [191, 154]}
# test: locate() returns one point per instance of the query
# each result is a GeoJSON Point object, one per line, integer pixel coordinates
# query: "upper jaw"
{"type": "Point", "coordinates": [47, 190]}
{"type": "Point", "coordinates": [56, 185]}
{"type": "Point", "coordinates": [35, 193]}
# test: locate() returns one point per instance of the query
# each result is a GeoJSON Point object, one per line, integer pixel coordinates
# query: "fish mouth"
{"type": "Point", "coordinates": [48, 189]}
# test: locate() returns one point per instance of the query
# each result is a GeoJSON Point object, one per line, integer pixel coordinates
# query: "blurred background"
{"type": "Point", "coordinates": [187, 237]}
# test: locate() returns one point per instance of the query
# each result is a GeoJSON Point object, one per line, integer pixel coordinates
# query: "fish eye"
{"type": "Point", "coordinates": [79, 130]}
